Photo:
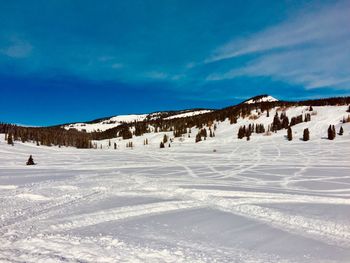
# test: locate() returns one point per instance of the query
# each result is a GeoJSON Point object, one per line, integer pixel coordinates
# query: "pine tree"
{"type": "Point", "coordinates": [115, 146]}
{"type": "Point", "coordinates": [165, 138]}
{"type": "Point", "coordinates": [30, 161]}
{"type": "Point", "coordinates": [10, 139]}
{"type": "Point", "coordinates": [306, 135]}
{"type": "Point", "coordinates": [161, 145]}
{"type": "Point", "coordinates": [289, 134]}
{"type": "Point", "coordinates": [330, 133]}
{"type": "Point", "coordinates": [198, 138]}
{"type": "Point", "coordinates": [341, 131]}
{"type": "Point", "coordinates": [241, 132]}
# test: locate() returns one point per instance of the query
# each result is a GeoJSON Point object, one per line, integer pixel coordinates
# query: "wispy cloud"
{"type": "Point", "coordinates": [17, 49]}
{"type": "Point", "coordinates": [312, 49]}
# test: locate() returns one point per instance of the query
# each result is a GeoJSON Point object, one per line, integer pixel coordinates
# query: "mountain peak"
{"type": "Point", "coordinates": [260, 98]}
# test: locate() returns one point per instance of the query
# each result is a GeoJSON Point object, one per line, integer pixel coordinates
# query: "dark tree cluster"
{"type": "Point", "coordinates": [280, 122]}
{"type": "Point", "coordinates": [259, 128]}
{"type": "Point", "coordinates": [233, 119]}
{"type": "Point", "coordinates": [125, 133]}
{"type": "Point", "coordinates": [180, 130]}
{"type": "Point", "coordinates": [47, 136]}
{"type": "Point", "coordinates": [331, 132]}
{"type": "Point", "coordinates": [141, 128]}
{"type": "Point", "coordinates": [296, 120]}
{"type": "Point", "coordinates": [244, 131]}
{"type": "Point", "coordinates": [202, 133]}
{"type": "Point", "coordinates": [129, 145]}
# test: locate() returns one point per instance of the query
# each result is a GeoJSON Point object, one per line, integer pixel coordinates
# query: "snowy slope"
{"type": "Point", "coordinates": [187, 114]}
{"type": "Point", "coordinates": [112, 122]}
{"type": "Point", "coordinates": [107, 123]}
{"type": "Point", "coordinates": [263, 200]}
{"type": "Point", "coordinates": [321, 118]}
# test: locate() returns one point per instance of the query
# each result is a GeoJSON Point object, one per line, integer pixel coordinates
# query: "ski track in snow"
{"type": "Point", "coordinates": [267, 200]}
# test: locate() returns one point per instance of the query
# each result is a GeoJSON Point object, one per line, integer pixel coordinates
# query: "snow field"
{"type": "Point", "coordinates": [266, 200]}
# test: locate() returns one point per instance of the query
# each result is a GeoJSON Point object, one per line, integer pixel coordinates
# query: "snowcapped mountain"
{"type": "Point", "coordinates": [261, 98]}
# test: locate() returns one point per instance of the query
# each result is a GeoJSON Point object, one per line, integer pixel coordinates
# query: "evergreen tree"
{"type": "Point", "coordinates": [233, 120]}
{"type": "Point", "coordinates": [306, 135]}
{"type": "Point", "coordinates": [241, 132]}
{"type": "Point", "coordinates": [161, 145]}
{"type": "Point", "coordinates": [115, 146]}
{"type": "Point", "coordinates": [30, 161]}
{"type": "Point", "coordinates": [307, 117]}
{"type": "Point", "coordinates": [165, 138]}
{"type": "Point", "coordinates": [198, 138]}
{"type": "Point", "coordinates": [289, 134]}
{"type": "Point", "coordinates": [341, 131]}
{"type": "Point", "coordinates": [10, 139]}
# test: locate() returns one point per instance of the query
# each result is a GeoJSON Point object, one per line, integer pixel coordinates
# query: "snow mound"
{"type": "Point", "coordinates": [259, 99]}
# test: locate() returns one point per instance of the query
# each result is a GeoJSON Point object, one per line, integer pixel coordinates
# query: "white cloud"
{"type": "Point", "coordinates": [312, 49]}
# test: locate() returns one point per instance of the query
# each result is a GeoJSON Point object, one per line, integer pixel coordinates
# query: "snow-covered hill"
{"type": "Point", "coordinates": [226, 133]}
{"type": "Point", "coordinates": [261, 98]}
{"type": "Point", "coordinates": [108, 123]}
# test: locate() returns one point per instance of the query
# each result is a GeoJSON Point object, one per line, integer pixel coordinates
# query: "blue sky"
{"type": "Point", "coordinates": [65, 61]}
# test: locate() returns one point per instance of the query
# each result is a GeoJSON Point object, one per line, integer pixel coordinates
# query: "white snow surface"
{"type": "Point", "coordinates": [263, 200]}
{"type": "Point", "coordinates": [106, 124]}
{"type": "Point", "coordinates": [188, 114]}
{"type": "Point", "coordinates": [263, 99]}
